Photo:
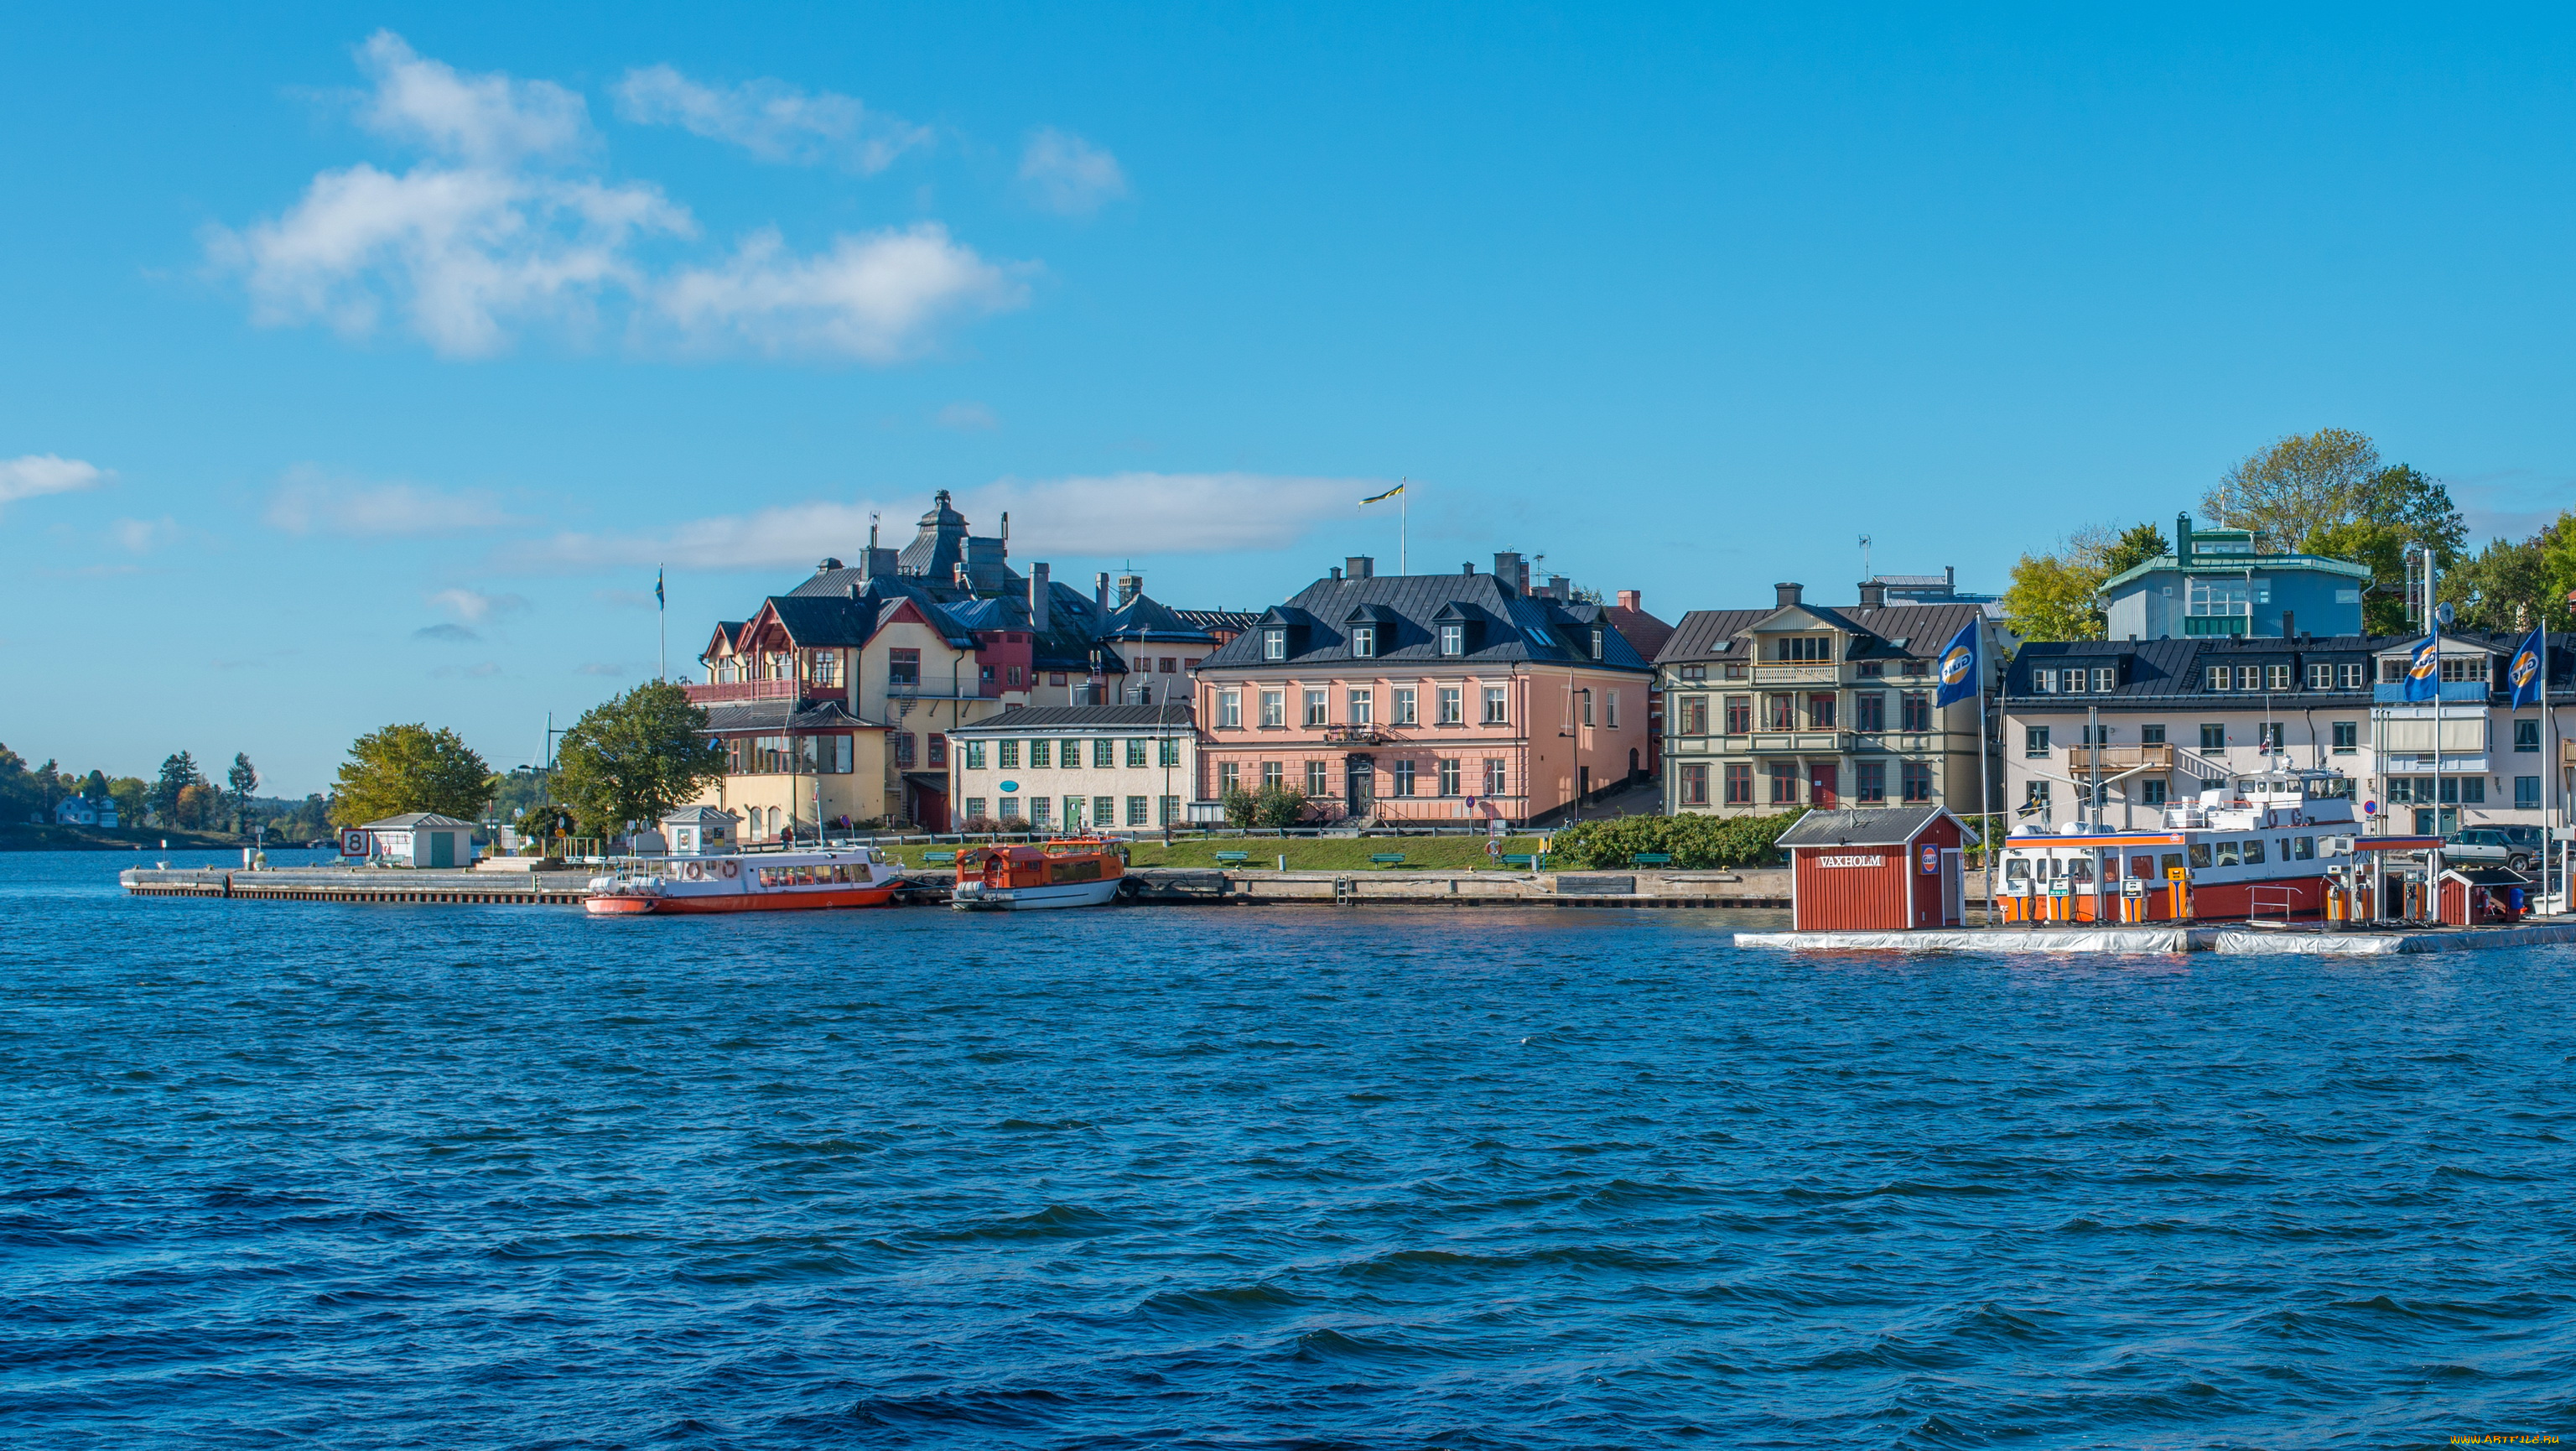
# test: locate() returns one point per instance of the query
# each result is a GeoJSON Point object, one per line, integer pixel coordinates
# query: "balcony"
{"type": "Point", "coordinates": [1835, 742]}
{"type": "Point", "coordinates": [2118, 759]}
{"type": "Point", "coordinates": [2454, 692]}
{"type": "Point", "coordinates": [732, 690]}
{"type": "Point", "coordinates": [1359, 735]}
{"type": "Point", "coordinates": [1819, 672]}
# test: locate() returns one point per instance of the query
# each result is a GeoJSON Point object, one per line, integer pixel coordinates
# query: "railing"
{"type": "Point", "coordinates": [2079, 759]}
{"type": "Point", "coordinates": [2393, 692]}
{"type": "Point", "coordinates": [1358, 735]}
{"type": "Point", "coordinates": [1820, 672]}
{"type": "Point", "coordinates": [747, 690]}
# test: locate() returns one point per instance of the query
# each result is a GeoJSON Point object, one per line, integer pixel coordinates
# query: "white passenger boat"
{"type": "Point", "coordinates": [787, 881]}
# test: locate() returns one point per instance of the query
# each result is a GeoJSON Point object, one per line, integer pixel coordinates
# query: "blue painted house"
{"type": "Point", "coordinates": [2215, 584]}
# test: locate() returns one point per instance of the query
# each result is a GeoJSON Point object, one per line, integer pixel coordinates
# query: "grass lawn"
{"type": "Point", "coordinates": [1305, 854]}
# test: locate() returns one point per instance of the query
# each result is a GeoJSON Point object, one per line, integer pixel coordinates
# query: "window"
{"type": "Point", "coordinates": [1170, 666]}
{"type": "Point", "coordinates": [1734, 670]}
{"type": "Point", "coordinates": [1694, 672]}
{"type": "Point", "coordinates": [2151, 735]}
{"type": "Point", "coordinates": [1820, 711]}
{"type": "Point", "coordinates": [2151, 791]}
{"type": "Point", "coordinates": [974, 755]}
{"type": "Point", "coordinates": [827, 667]}
{"type": "Point", "coordinates": [1597, 633]}
{"type": "Point", "coordinates": [2104, 678]}
{"type": "Point", "coordinates": [1041, 811]}
{"type": "Point", "coordinates": [2034, 740]}
{"type": "Point", "coordinates": [1453, 639]}
{"type": "Point", "coordinates": [2348, 676]}
{"type": "Point", "coordinates": [1739, 784]}
{"type": "Point", "coordinates": [1694, 715]}
{"type": "Point", "coordinates": [1494, 777]}
{"type": "Point", "coordinates": [2300, 849]}
{"type": "Point", "coordinates": [903, 668]}
{"type": "Point", "coordinates": [2267, 735]}
{"type": "Point", "coordinates": [2220, 676]}
{"type": "Point", "coordinates": [1448, 778]}
{"type": "Point", "coordinates": [1136, 752]}
{"type": "Point", "coordinates": [1739, 714]}
{"type": "Point", "coordinates": [1104, 753]}
{"type": "Point", "coordinates": [1784, 783]}
{"type": "Point", "coordinates": [2218, 597]}
{"type": "Point", "coordinates": [1587, 705]}
{"type": "Point", "coordinates": [1041, 755]}
{"type": "Point", "coordinates": [1614, 710]}
{"type": "Point", "coordinates": [2526, 735]}
{"type": "Point", "coordinates": [2347, 737]}
{"type": "Point", "coordinates": [1869, 711]}
{"type": "Point", "coordinates": [2043, 682]}
{"type": "Point", "coordinates": [1318, 779]}
{"type": "Point", "coordinates": [1405, 713]}
{"type": "Point", "coordinates": [2320, 677]}
{"type": "Point", "coordinates": [1870, 789]}
{"type": "Point", "coordinates": [1402, 772]}
{"type": "Point", "coordinates": [2249, 677]}
{"type": "Point", "coordinates": [1274, 708]}
{"type": "Point", "coordinates": [1167, 811]}
{"type": "Point", "coordinates": [2276, 677]}
{"type": "Point", "coordinates": [2526, 793]}
{"type": "Point", "coordinates": [1804, 647]}
{"type": "Point", "coordinates": [1364, 640]}
{"type": "Point", "coordinates": [1273, 775]}
{"type": "Point", "coordinates": [974, 809]}
{"type": "Point", "coordinates": [1452, 706]}
{"type": "Point", "coordinates": [2213, 737]}
{"type": "Point", "coordinates": [1314, 707]}
{"type": "Point", "coordinates": [1010, 808]}
{"type": "Point", "coordinates": [1274, 644]}
{"type": "Point", "coordinates": [1694, 785]}
{"type": "Point", "coordinates": [1917, 708]}
{"type": "Point", "coordinates": [2464, 667]}
{"type": "Point", "coordinates": [1104, 811]}
{"type": "Point", "coordinates": [1229, 710]}
{"type": "Point", "coordinates": [1780, 712]}
{"type": "Point", "coordinates": [1872, 671]}
{"type": "Point", "coordinates": [1363, 704]}
{"type": "Point", "coordinates": [903, 750]}
{"type": "Point", "coordinates": [2035, 795]}
{"type": "Point", "coordinates": [1918, 782]}
{"type": "Point", "coordinates": [1015, 678]}
{"type": "Point", "coordinates": [938, 749]}
{"type": "Point", "coordinates": [2229, 853]}
{"type": "Point", "coordinates": [2473, 790]}
{"type": "Point", "coordinates": [1494, 705]}
{"type": "Point", "coordinates": [1139, 809]}
{"type": "Point", "coordinates": [1168, 751]}
{"type": "Point", "coordinates": [1229, 777]}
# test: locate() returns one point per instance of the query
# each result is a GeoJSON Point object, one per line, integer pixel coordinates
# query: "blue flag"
{"type": "Point", "coordinates": [1963, 666]}
{"type": "Point", "coordinates": [658, 600]}
{"type": "Point", "coordinates": [2424, 671]}
{"type": "Point", "coordinates": [2529, 669]}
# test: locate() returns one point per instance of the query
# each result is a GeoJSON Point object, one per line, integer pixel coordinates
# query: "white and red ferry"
{"type": "Point", "coordinates": [785, 881]}
{"type": "Point", "coordinates": [2263, 845]}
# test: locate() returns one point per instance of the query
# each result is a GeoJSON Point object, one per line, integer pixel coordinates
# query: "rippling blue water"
{"type": "Point", "coordinates": [457, 1176]}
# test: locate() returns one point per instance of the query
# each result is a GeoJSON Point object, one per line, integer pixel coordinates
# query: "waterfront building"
{"type": "Point", "coordinates": [1423, 697]}
{"type": "Point", "coordinates": [79, 810]}
{"type": "Point", "coordinates": [2180, 716]}
{"type": "Point", "coordinates": [1807, 705]}
{"type": "Point", "coordinates": [2216, 584]}
{"type": "Point", "coordinates": [423, 839]}
{"type": "Point", "coordinates": [1076, 767]}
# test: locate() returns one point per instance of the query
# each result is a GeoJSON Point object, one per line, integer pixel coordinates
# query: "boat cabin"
{"type": "Point", "coordinates": [1048, 864]}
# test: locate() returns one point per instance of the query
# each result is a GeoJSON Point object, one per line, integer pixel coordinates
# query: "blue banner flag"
{"type": "Point", "coordinates": [658, 601]}
{"type": "Point", "coordinates": [2529, 668]}
{"type": "Point", "coordinates": [2424, 671]}
{"type": "Point", "coordinates": [1963, 666]}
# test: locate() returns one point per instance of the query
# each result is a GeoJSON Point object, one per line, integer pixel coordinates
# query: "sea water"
{"type": "Point", "coordinates": [285, 1174]}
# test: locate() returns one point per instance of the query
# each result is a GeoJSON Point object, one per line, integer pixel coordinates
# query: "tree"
{"type": "Point", "coordinates": [94, 786]}
{"type": "Point", "coordinates": [244, 779]}
{"type": "Point", "coordinates": [2295, 486]}
{"type": "Point", "coordinates": [178, 773]}
{"type": "Point", "coordinates": [2499, 588]}
{"type": "Point", "coordinates": [404, 768]}
{"type": "Point", "coordinates": [200, 807]}
{"type": "Point", "coordinates": [2056, 596]}
{"type": "Point", "coordinates": [635, 757]}
{"type": "Point", "coordinates": [133, 797]}
{"type": "Point", "coordinates": [20, 797]}
{"type": "Point", "coordinates": [2135, 546]}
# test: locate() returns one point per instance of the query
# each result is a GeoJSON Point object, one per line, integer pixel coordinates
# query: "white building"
{"type": "Point", "coordinates": [1076, 767]}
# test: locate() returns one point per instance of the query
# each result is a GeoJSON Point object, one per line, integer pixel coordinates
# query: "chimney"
{"type": "Point", "coordinates": [827, 566]}
{"type": "Point", "coordinates": [1630, 599]}
{"type": "Point", "coordinates": [882, 563]}
{"type": "Point", "coordinates": [2289, 624]}
{"type": "Point", "coordinates": [1100, 592]}
{"type": "Point", "coordinates": [1950, 578]}
{"type": "Point", "coordinates": [1468, 568]}
{"type": "Point", "coordinates": [1789, 594]}
{"type": "Point", "coordinates": [1508, 569]}
{"type": "Point", "coordinates": [1038, 588]}
{"type": "Point", "coordinates": [2182, 538]}
{"type": "Point", "coordinates": [1360, 566]}
{"type": "Point", "coordinates": [1335, 573]}
{"type": "Point", "coordinates": [1129, 586]}
{"type": "Point", "coordinates": [1873, 595]}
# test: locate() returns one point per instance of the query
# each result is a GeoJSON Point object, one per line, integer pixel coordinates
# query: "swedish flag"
{"type": "Point", "coordinates": [1382, 498]}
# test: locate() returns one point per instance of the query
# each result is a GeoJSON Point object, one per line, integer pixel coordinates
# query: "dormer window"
{"type": "Point", "coordinates": [1596, 642]}
{"type": "Point", "coordinates": [1453, 639]}
{"type": "Point", "coordinates": [1274, 643]}
{"type": "Point", "coordinates": [1364, 640]}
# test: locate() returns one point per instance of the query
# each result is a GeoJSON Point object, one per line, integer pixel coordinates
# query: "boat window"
{"type": "Point", "coordinates": [2303, 848]}
{"type": "Point", "coordinates": [2016, 869]}
{"type": "Point", "coordinates": [1087, 870]}
{"type": "Point", "coordinates": [2230, 854]}
{"type": "Point", "coordinates": [2173, 862]}
{"type": "Point", "coordinates": [2142, 867]}
{"type": "Point", "coordinates": [2254, 853]}
{"type": "Point", "coordinates": [2200, 853]}
{"type": "Point", "coordinates": [2080, 869]}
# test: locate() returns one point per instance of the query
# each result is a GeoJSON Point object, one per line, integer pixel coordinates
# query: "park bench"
{"type": "Point", "coordinates": [1386, 858]}
{"type": "Point", "coordinates": [1230, 858]}
{"type": "Point", "coordinates": [939, 858]}
{"type": "Point", "coordinates": [1652, 859]}
{"type": "Point", "coordinates": [1535, 863]}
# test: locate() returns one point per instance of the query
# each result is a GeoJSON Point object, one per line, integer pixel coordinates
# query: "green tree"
{"type": "Point", "coordinates": [94, 786]}
{"type": "Point", "coordinates": [244, 779]}
{"type": "Point", "coordinates": [2506, 586]}
{"type": "Point", "coordinates": [1694, 842]}
{"type": "Point", "coordinates": [2135, 546]}
{"type": "Point", "coordinates": [2057, 596]}
{"type": "Point", "coordinates": [404, 768]}
{"type": "Point", "coordinates": [2294, 486]}
{"type": "Point", "coordinates": [635, 757]}
{"type": "Point", "coordinates": [2380, 546]}
{"type": "Point", "coordinates": [200, 807]}
{"type": "Point", "coordinates": [178, 773]}
{"type": "Point", "coordinates": [20, 797]}
{"type": "Point", "coordinates": [133, 797]}
{"type": "Point", "coordinates": [1272, 806]}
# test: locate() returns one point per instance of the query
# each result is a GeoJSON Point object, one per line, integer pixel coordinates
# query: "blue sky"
{"type": "Point", "coordinates": [359, 365]}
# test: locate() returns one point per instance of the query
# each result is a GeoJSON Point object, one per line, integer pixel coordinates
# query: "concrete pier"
{"type": "Point", "coordinates": [2150, 939]}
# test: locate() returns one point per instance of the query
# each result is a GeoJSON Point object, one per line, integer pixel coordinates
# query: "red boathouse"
{"type": "Point", "coordinates": [1889, 868]}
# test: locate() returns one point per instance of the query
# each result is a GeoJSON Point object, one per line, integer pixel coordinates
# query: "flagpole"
{"type": "Point", "coordinates": [1985, 791]}
{"type": "Point", "coordinates": [662, 620]}
{"type": "Point", "coordinates": [1403, 503]}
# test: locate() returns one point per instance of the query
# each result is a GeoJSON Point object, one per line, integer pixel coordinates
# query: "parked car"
{"type": "Point", "coordinates": [2533, 839]}
{"type": "Point", "coordinates": [2489, 845]}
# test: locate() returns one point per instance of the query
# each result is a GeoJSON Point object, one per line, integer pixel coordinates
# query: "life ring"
{"type": "Point", "coordinates": [695, 871]}
{"type": "Point", "coordinates": [731, 870]}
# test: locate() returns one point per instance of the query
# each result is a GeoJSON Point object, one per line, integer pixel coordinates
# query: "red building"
{"type": "Point", "coordinates": [1884, 869]}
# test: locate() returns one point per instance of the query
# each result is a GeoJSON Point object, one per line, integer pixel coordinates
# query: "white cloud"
{"type": "Point", "coordinates": [312, 502]}
{"type": "Point", "coordinates": [474, 607]}
{"type": "Point", "coordinates": [770, 119]}
{"type": "Point", "coordinates": [486, 119]}
{"type": "Point", "coordinates": [874, 297]}
{"type": "Point", "coordinates": [1115, 514]}
{"type": "Point", "coordinates": [446, 634]}
{"type": "Point", "coordinates": [966, 417]}
{"type": "Point", "coordinates": [142, 536]}
{"type": "Point", "coordinates": [45, 473]}
{"type": "Point", "coordinates": [1066, 174]}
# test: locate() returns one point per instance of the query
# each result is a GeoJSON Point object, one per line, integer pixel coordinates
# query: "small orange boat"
{"type": "Point", "coordinates": [1076, 871]}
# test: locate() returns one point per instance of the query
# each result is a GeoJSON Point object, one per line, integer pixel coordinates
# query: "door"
{"type": "Point", "coordinates": [442, 848]}
{"type": "Point", "coordinates": [1634, 774]}
{"type": "Point", "coordinates": [1359, 783]}
{"type": "Point", "coordinates": [1823, 782]}
{"type": "Point", "coordinates": [1954, 888]}
{"type": "Point", "coordinates": [1582, 783]}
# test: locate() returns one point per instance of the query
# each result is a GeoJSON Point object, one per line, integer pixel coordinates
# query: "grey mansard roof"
{"type": "Point", "coordinates": [1173, 717]}
{"type": "Point", "coordinates": [1507, 626]}
{"type": "Point", "coordinates": [1890, 632]}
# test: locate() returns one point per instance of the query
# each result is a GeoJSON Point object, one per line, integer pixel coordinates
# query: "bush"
{"type": "Point", "coordinates": [1700, 843]}
{"type": "Point", "coordinates": [980, 826]}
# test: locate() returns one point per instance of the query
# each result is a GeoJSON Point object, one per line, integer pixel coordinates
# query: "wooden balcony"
{"type": "Point", "coordinates": [2116, 759]}
{"type": "Point", "coordinates": [1818, 672]}
{"type": "Point", "coordinates": [745, 690]}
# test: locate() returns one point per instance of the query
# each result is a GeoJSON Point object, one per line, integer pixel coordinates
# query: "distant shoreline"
{"type": "Point", "coordinates": [31, 837]}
